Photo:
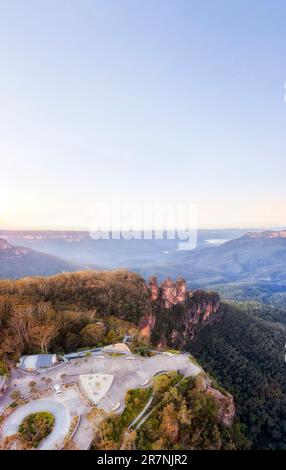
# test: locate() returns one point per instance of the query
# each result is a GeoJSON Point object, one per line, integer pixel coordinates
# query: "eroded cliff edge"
{"type": "Point", "coordinates": [175, 313]}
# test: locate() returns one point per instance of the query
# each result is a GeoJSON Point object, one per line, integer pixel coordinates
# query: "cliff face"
{"type": "Point", "coordinates": [4, 245]}
{"type": "Point", "coordinates": [175, 312]}
{"type": "Point", "coordinates": [169, 292]}
{"type": "Point", "coordinates": [267, 234]}
{"type": "Point", "coordinates": [224, 401]}
{"type": "Point", "coordinates": [8, 251]}
{"type": "Point", "coordinates": [32, 235]}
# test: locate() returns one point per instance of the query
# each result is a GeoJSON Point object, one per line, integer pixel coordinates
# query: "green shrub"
{"type": "Point", "coordinates": [36, 427]}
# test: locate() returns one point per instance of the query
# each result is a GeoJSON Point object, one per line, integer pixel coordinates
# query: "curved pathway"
{"type": "Point", "coordinates": [61, 427]}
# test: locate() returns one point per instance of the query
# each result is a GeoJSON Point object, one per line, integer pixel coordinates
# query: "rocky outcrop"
{"type": "Point", "coordinates": [147, 324]}
{"type": "Point", "coordinates": [154, 289]}
{"type": "Point", "coordinates": [223, 400]}
{"type": "Point", "coordinates": [173, 293]}
{"type": "Point", "coordinates": [175, 312]}
{"type": "Point", "coordinates": [166, 295]}
{"type": "Point", "coordinates": [10, 251]}
{"type": "Point", "coordinates": [169, 293]}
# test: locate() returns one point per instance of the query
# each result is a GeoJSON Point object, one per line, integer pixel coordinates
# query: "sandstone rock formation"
{"type": "Point", "coordinates": [175, 312]}
{"type": "Point", "coordinates": [154, 289]}
{"type": "Point", "coordinates": [169, 292]}
{"type": "Point", "coordinates": [224, 401]}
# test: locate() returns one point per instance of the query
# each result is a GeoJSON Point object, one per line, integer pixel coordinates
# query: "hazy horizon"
{"type": "Point", "coordinates": [86, 229]}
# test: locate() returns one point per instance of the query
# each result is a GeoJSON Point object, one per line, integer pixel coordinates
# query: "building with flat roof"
{"type": "Point", "coordinates": [80, 354]}
{"type": "Point", "coordinates": [37, 361]}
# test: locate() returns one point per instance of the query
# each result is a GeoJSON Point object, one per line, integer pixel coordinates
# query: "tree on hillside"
{"type": "Point", "coordinates": [169, 423]}
{"type": "Point", "coordinates": [43, 334]}
{"type": "Point", "coordinates": [93, 333]}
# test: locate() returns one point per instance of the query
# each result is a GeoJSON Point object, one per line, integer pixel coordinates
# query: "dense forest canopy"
{"type": "Point", "coordinates": [69, 311]}
{"type": "Point", "coordinates": [246, 354]}
{"type": "Point", "coordinates": [120, 293]}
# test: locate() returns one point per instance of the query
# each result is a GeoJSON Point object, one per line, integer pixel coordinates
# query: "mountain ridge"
{"type": "Point", "coordinates": [17, 262]}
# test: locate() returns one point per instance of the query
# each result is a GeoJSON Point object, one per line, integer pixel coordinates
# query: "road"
{"type": "Point", "coordinates": [61, 427]}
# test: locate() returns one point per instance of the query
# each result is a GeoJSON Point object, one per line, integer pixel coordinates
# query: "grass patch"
{"type": "Point", "coordinates": [115, 354]}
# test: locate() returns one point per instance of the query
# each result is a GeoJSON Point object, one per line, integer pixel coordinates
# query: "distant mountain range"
{"type": "Point", "coordinates": [250, 267]}
{"type": "Point", "coordinates": [252, 257]}
{"type": "Point", "coordinates": [237, 264]}
{"type": "Point", "coordinates": [17, 262]}
{"type": "Point", "coordinates": [80, 247]}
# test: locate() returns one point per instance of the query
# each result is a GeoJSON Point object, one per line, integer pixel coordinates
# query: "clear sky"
{"type": "Point", "coordinates": [150, 101]}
